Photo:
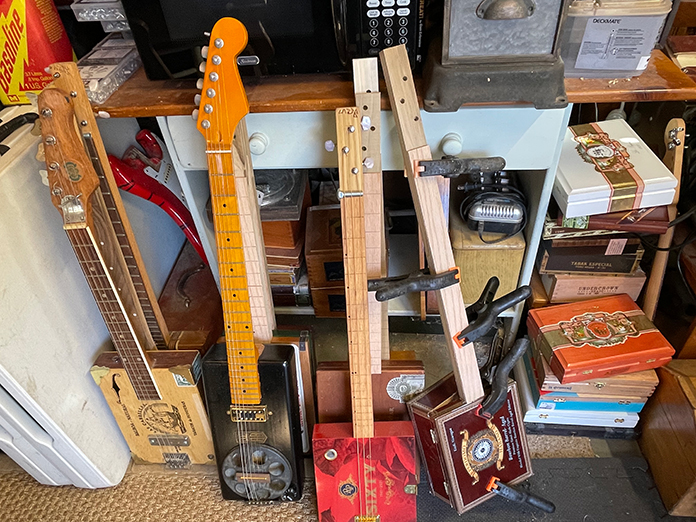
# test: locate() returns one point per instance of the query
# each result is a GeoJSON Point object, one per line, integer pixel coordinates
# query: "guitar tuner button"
{"type": "Point", "coordinates": [217, 60]}
{"type": "Point", "coordinates": [197, 99]}
{"type": "Point", "coordinates": [331, 454]}
{"type": "Point", "coordinates": [213, 76]}
{"type": "Point", "coordinates": [208, 108]}
{"type": "Point", "coordinates": [219, 42]}
{"type": "Point", "coordinates": [199, 83]}
{"type": "Point", "coordinates": [201, 67]}
{"type": "Point", "coordinates": [204, 52]}
{"type": "Point", "coordinates": [194, 115]}
{"type": "Point", "coordinates": [205, 124]}
{"type": "Point", "coordinates": [210, 93]}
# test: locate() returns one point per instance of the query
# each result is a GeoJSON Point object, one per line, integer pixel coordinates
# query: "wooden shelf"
{"type": "Point", "coordinates": [140, 97]}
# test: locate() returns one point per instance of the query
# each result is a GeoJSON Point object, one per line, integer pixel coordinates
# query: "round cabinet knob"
{"type": "Point", "coordinates": [451, 144]}
{"type": "Point", "coordinates": [258, 143]}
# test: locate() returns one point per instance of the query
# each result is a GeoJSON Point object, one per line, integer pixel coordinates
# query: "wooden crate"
{"type": "Point", "coordinates": [323, 247]}
{"type": "Point", "coordinates": [669, 432]}
{"type": "Point", "coordinates": [479, 261]}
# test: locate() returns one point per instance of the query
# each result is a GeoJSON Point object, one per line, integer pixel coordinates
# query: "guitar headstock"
{"type": "Point", "coordinates": [348, 144]}
{"type": "Point", "coordinates": [71, 177]}
{"type": "Point", "coordinates": [223, 102]}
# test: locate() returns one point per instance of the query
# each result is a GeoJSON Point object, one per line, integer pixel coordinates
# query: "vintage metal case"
{"type": "Point", "coordinates": [461, 450]}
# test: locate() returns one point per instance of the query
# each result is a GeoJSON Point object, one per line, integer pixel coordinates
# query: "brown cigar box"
{"type": "Point", "coordinates": [323, 247]}
{"type": "Point", "coordinates": [399, 380]}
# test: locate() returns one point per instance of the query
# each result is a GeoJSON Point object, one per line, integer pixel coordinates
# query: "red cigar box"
{"type": "Point", "coordinates": [597, 338]}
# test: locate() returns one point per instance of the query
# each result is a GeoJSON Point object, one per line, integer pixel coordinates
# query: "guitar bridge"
{"type": "Point", "coordinates": [245, 414]}
{"type": "Point", "coordinates": [169, 440]}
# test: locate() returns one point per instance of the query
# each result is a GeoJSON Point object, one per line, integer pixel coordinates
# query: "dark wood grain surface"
{"type": "Point", "coordinates": [140, 97]}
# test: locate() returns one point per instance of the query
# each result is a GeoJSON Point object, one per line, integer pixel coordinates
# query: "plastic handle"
{"type": "Point", "coordinates": [500, 380]}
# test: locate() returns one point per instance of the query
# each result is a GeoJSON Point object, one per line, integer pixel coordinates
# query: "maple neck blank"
{"type": "Point", "coordinates": [242, 355]}
{"type": "Point", "coordinates": [355, 269]}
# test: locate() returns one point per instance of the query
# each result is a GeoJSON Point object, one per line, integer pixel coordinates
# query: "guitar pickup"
{"type": "Point", "coordinates": [245, 414]}
{"type": "Point", "coordinates": [169, 440]}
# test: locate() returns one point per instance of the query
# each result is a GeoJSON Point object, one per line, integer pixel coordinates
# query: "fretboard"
{"type": "Point", "coordinates": [111, 308]}
{"type": "Point", "coordinates": [239, 335]}
{"type": "Point", "coordinates": [355, 269]}
{"type": "Point", "coordinates": [133, 268]}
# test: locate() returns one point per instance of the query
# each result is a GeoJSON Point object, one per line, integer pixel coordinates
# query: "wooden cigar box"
{"type": "Point", "coordinates": [597, 255]}
{"type": "Point", "coordinates": [538, 299]}
{"type": "Point", "coordinates": [323, 247]}
{"type": "Point", "coordinates": [399, 381]}
{"type": "Point", "coordinates": [636, 384]}
{"type": "Point", "coordinates": [568, 288]}
{"type": "Point", "coordinates": [283, 208]}
{"type": "Point", "coordinates": [329, 302]}
{"type": "Point", "coordinates": [669, 432]}
{"type": "Point", "coordinates": [462, 450]}
{"type": "Point", "coordinates": [597, 338]}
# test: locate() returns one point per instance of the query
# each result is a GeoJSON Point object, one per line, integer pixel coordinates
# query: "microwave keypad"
{"type": "Point", "coordinates": [388, 23]}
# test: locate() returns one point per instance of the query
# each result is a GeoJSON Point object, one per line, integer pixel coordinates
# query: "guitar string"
{"type": "Point", "coordinates": [140, 387]}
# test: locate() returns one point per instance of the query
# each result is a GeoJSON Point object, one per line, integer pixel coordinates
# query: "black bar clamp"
{"type": "Point", "coordinates": [452, 167]}
{"type": "Point", "coordinates": [515, 494]}
{"type": "Point", "coordinates": [419, 281]}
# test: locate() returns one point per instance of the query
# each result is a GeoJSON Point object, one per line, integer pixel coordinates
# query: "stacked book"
{"type": "Point", "coordinates": [609, 187]}
{"type": "Point", "coordinates": [591, 364]}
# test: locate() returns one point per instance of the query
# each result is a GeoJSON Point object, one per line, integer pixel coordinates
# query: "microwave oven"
{"type": "Point", "coordinates": [288, 36]}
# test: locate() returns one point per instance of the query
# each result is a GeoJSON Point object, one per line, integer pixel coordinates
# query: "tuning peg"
{"type": "Point", "coordinates": [197, 99]}
{"type": "Point", "coordinates": [199, 84]}
{"type": "Point", "coordinates": [204, 52]}
{"type": "Point", "coordinates": [194, 115]}
{"type": "Point", "coordinates": [201, 67]}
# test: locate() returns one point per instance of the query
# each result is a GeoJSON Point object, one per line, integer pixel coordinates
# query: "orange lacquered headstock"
{"type": "Point", "coordinates": [223, 100]}
{"type": "Point", "coordinates": [71, 177]}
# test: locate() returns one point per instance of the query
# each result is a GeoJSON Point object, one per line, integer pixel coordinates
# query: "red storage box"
{"type": "Point", "coordinates": [596, 338]}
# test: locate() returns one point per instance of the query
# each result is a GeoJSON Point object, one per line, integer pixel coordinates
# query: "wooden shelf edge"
{"type": "Point", "coordinates": [140, 97]}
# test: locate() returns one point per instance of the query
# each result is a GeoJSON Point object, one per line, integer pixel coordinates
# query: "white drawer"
{"type": "Point", "coordinates": [524, 136]}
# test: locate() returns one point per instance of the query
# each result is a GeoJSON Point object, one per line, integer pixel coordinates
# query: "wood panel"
{"type": "Point", "coordinates": [140, 97]}
{"type": "Point", "coordinates": [367, 99]}
{"type": "Point", "coordinates": [431, 217]}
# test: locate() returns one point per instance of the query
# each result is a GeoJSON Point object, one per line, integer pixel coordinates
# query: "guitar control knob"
{"type": "Point", "coordinates": [199, 84]}
{"type": "Point", "coordinates": [194, 115]}
{"type": "Point", "coordinates": [451, 144]}
{"type": "Point", "coordinates": [197, 99]}
{"type": "Point", "coordinates": [204, 52]}
{"type": "Point", "coordinates": [258, 142]}
{"type": "Point", "coordinates": [201, 67]}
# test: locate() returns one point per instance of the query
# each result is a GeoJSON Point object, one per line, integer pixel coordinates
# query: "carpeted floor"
{"type": "Point", "coordinates": [151, 493]}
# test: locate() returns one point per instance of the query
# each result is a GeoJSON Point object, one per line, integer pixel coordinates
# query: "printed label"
{"type": "Point", "coordinates": [619, 43]}
{"type": "Point", "coordinates": [403, 387]}
{"type": "Point", "coordinates": [616, 247]}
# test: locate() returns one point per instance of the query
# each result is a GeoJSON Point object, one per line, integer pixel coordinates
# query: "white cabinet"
{"type": "Point", "coordinates": [529, 140]}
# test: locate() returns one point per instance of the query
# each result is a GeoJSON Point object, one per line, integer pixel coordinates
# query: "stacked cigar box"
{"type": "Point", "coordinates": [283, 197]}
{"type": "Point", "coordinates": [592, 363]}
{"type": "Point", "coordinates": [609, 187]}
